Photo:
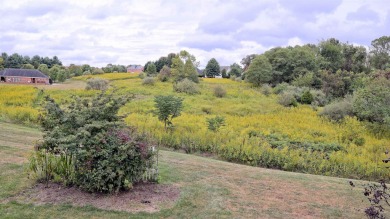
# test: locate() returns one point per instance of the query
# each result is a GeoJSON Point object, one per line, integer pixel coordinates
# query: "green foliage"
{"type": "Point", "coordinates": [338, 110]}
{"type": "Point", "coordinates": [97, 84]}
{"type": "Point", "coordinates": [1, 63]}
{"type": "Point", "coordinates": [142, 75]}
{"type": "Point", "coordinates": [119, 160]}
{"type": "Point", "coordinates": [61, 76]}
{"type": "Point", "coordinates": [259, 72]}
{"type": "Point", "coordinates": [331, 52]}
{"type": "Point", "coordinates": [184, 66]}
{"type": "Point", "coordinates": [164, 74]}
{"type": "Point", "coordinates": [44, 69]}
{"type": "Point", "coordinates": [88, 72]}
{"type": "Point", "coordinates": [280, 88]}
{"type": "Point", "coordinates": [287, 99]}
{"type": "Point", "coordinates": [107, 157]}
{"type": "Point", "coordinates": [235, 70]}
{"type": "Point", "coordinates": [305, 80]}
{"type": "Point", "coordinates": [380, 52]}
{"type": "Point", "coordinates": [219, 91]}
{"type": "Point", "coordinates": [372, 102]}
{"type": "Point", "coordinates": [247, 60]}
{"type": "Point", "coordinates": [97, 71]}
{"type": "Point", "coordinates": [45, 166]}
{"type": "Point", "coordinates": [27, 66]}
{"type": "Point", "coordinates": [307, 97]}
{"type": "Point", "coordinates": [186, 86]}
{"type": "Point", "coordinates": [338, 84]}
{"type": "Point", "coordinates": [266, 89]}
{"type": "Point", "coordinates": [319, 98]}
{"type": "Point", "coordinates": [148, 81]}
{"type": "Point", "coordinates": [212, 68]}
{"type": "Point", "coordinates": [75, 70]}
{"type": "Point", "coordinates": [224, 74]}
{"type": "Point", "coordinates": [151, 69]}
{"type": "Point", "coordinates": [167, 108]}
{"type": "Point", "coordinates": [214, 124]}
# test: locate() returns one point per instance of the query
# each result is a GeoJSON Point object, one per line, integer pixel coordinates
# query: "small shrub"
{"type": "Point", "coordinates": [214, 124]}
{"type": "Point", "coordinates": [336, 111]}
{"type": "Point", "coordinates": [167, 108]}
{"type": "Point", "coordinates": [287, 100]}
{"type": "Point", "coordinates": [280, 88]}
{"type": "Point", "coordinates": [266, 89]}
{"type": "Point", "coordinates": [142, 75]}
{"type": "Point", "coordinates": [148, 81]}
{"type": "Point", "coordinates": [307, 97]}
{"type": "Point", "coordinates": [219, 91]}
{"type": "Point", "coordinates": [319, 98]}
{"type": "Point", "coordinates": [186, 86]}
{"type": "Point", "coordinates": [97, 84]}
{"type": "Point", "coordinates": [164, 74]}
{"type": "Point", "coordinates": [88, 72]}
{"type": "Point", "coordinates": [238, 79]}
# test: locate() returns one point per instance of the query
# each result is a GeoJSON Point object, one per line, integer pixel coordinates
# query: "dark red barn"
{"type": "Point", "coordinates": [23, 76]}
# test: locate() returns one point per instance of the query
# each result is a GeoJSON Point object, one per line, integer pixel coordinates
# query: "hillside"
{"type": "Point", "coordinates": [208, 188]}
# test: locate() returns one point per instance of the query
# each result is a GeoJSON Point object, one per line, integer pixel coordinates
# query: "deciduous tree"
{"type": "Point", "coordinates": [260, 71]}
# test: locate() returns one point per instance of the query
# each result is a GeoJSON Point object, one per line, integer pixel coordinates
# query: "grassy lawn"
{"type": "Point", "coordinates": [208, 188]}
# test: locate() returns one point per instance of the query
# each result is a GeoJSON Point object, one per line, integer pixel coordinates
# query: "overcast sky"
{"type": "Point", "coordinates": [99, 32]}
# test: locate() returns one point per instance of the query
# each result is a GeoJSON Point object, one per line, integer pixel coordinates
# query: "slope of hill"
{"type": "Point", "coordinates": [208, 188]}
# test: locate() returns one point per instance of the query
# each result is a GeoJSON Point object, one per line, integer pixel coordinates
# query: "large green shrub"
{"type": "Point", "coordinates": [107, 156]}
{"type": "Point", "coordinates": [287, 100]}
{"type": "Point", "coordinates": [186, 86]}
{"type": "Point", "coordinates": [338, 110]}
{"type": "Point", "coordinates": [97, 84]}
{"type": "Point", "coordinates": [372, 103]}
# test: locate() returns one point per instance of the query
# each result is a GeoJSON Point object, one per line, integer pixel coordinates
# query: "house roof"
{"type": "Point", "coordinates": [227, 68]}
{"type": "Point", "coordinates": [31, 73]}
{"type": "Point", "coordinates": [135, 67]}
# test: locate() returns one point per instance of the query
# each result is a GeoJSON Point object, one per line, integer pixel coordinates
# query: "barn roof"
{"type": "Point", "coordinates": [31, 73]}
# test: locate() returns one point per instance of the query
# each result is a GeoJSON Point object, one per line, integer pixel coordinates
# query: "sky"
{"type": "Point", "coordinates": [98, 32]}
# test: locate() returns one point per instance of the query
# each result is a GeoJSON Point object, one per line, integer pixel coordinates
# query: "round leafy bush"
{"type": "Point", "coordinates": [287, 100]}
{"type": "Point", "coordinates": [97, 84]}
{"type": "Point", "coordinates": [307, 97]}
{"type": "Point", "coordinates": [319, 97]}
{"type": "Point", "coordinates": [219, 91]}
{"type": "Point", "coordinates": [115, 163]}
{"type": "Point", "coordinates": [142, 75]}
{"type": "Point", "coordinates": [338, 110]}
{"type": "Point", "coordinates": [107, 156]}
{"type": "Point", "coordinates": [266, 89]}
{"type": "Point", "coordinates": [148, 81]}
{"type": "Point", "coordinates": [186, 86]}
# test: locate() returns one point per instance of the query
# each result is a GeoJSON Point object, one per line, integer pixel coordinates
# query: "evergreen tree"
{"type": "Point", "coordinates": [212, 68]}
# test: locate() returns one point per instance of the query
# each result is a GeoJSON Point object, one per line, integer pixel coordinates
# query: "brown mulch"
{"type": "Point", "coordinates": [146, 197]}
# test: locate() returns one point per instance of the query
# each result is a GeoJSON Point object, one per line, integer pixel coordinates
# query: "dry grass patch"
{"type": "Point", "coordinates": [144, 197]}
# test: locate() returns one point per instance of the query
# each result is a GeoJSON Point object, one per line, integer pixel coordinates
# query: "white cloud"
{"type": "Point", "coordinates": [130, 32]}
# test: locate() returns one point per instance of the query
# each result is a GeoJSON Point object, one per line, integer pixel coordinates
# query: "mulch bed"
{"type": "Point", "coordinates": [146, 197]}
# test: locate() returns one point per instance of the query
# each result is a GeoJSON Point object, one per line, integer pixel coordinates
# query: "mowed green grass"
{"type": "Point", "coordinates": [208, 188]}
